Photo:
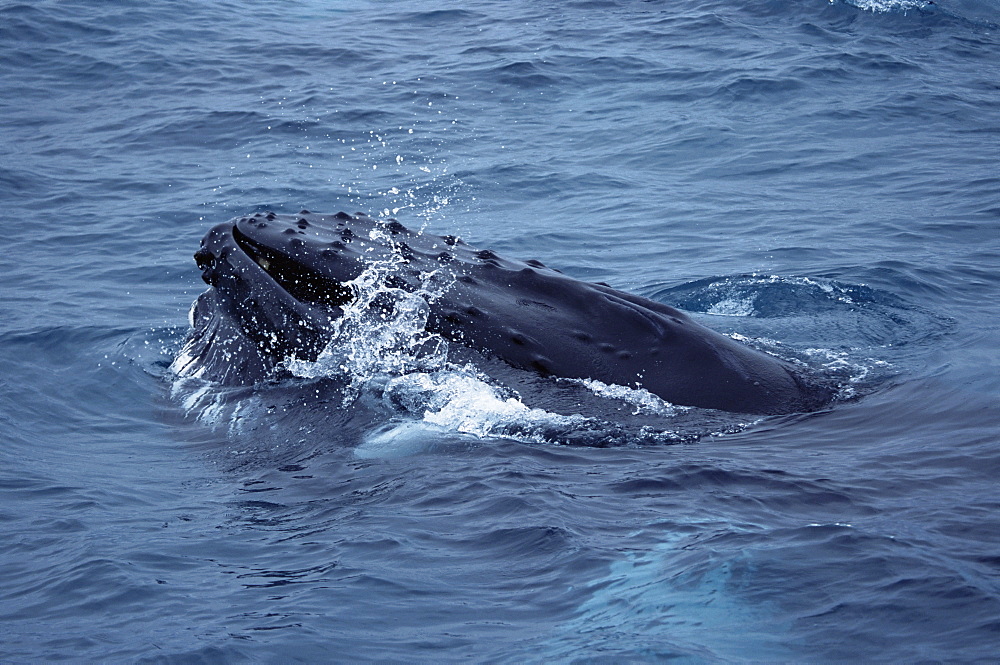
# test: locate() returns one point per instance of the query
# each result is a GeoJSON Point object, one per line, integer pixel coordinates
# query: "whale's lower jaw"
{"type": "Point", "coordinates": [217, 349]}
{"type": "Point", "coordinates": [277, 281]}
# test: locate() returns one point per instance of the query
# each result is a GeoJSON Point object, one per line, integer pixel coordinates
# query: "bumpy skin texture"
{"type": "Point", "coordinates": [278, 282]}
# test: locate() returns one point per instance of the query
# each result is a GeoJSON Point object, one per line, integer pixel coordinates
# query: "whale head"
{"type": "Point", "coordinates": [278, 282]}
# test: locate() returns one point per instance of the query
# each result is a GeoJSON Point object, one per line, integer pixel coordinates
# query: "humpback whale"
{"type": "Point", "coordinates": [278, 283]}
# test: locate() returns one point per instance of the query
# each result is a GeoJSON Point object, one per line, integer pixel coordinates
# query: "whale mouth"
{"type": "Point", "coordinates": [303, 283]}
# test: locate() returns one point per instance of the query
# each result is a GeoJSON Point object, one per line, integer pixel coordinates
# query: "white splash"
{"type": "Point", "coordinates": [462, 400]}
{"type": "Point", "coordinates": [382, 332]}
{"type": "Point", "coordinates": [456, 401]}
{"type": "Point", "coordinates": [640, 398]}
{"type": "Point", "coordinates": [733, 307]}
{"type": "Point", "coordinates": [885, 6]}
{"type": "Point", "coordinates": [850, 372]}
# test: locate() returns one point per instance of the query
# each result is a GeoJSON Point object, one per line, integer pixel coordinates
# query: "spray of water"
{"type": "Point", "coordinates": [383, 332]}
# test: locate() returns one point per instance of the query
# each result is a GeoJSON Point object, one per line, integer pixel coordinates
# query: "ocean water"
{"type": "Point", "coordinates": [820, 179]}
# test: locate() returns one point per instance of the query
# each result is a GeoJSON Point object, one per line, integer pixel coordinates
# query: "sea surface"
{"type": "Point", "coordinates": [818, 178]}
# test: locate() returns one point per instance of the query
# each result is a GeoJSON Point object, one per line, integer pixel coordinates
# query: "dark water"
{"type": "Point", "coordinates": [818, 177]}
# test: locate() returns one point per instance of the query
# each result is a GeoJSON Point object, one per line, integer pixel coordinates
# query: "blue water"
{"type": "Point", "coordinates": [818, 177]}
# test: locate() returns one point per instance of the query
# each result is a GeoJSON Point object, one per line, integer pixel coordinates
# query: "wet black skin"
{"type": "Point", "coordinates": [279, 280]}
